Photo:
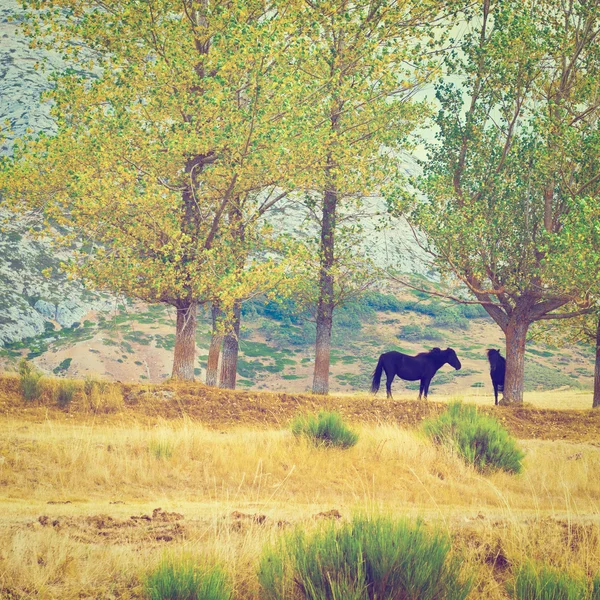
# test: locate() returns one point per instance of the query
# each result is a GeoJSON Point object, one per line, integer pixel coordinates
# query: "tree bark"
{"type": "Point", "coordinates": [516, 336]}
{"type": "Point", "coordinates": [596, 401]}
{"type": "Point", "coordinates": [231, 346]}
{"type": "Point", "coordinates": [212, 365]}
{"type": "Point", "coordinates": [322, 352]}
{"type": "Point", "coordinates": [325, 303]}
{"type": "Point", "coordinates": [185, 341]}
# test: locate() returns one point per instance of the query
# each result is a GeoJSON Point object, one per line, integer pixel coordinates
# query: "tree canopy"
{"type": "Point", "coordinates": [170, 114]}
{"type": "Point", "coordinates": [518, 147]}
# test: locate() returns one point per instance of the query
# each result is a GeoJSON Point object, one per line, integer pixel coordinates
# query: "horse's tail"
{"type": "Point", "coordinates": [377, 375]}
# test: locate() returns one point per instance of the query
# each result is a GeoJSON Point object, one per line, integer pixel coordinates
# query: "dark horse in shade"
{"type": "Point", "coordinates": [497, 371]}
{"type": "Point", "coordinates": [423, 366]}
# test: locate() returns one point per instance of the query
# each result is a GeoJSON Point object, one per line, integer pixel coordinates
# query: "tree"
{"type": "Point", "coordinates": [518, 146]}
{"type": "Point", "coordinates": [361, 62]}
{"type": "Point", "coordinates": [577, 258]}
{"type": "Point", "coordinates": [265, 264]}
{"type": "Point", "coordinates": [171, 111]}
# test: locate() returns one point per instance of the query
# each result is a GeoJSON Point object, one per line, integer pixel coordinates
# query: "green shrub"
{"type": "Point", "coordinates": [544, 583]}
{"type": "Point", "coordinates": [419, 332]}
{"type": "Point", "coordinates": [63, 366]}
{"type": "Point", "coordinates": [161, 449]}
{"type": "Point", "coordinates": [451, 319]}
{"type": "Point", "coordinates": [361, 560]}
{"type": "Point", "coordinates": [30, 381]}
{"type": "Point", "coordinates": [383, 302]}
{"type": "Point", "coordinates": [326, 428]}
{"type": "Point", "coordinates": [478, 438]}
{"type": "Point", "coordinates": [182, 579]}
{"type": "Point", "coordinates": [65, 392]}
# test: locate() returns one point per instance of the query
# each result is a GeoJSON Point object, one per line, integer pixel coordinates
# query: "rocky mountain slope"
{"type": "Point", "coordinates": [29, 301]}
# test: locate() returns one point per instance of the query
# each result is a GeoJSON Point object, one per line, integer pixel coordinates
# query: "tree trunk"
{"type": "Point", "coordinates": [185, 341]}
{"type": "Point", "coordinates": [231, 346]}
{"type": "Point", "coordinates": [322, 351]}
{"type": "Point", "coordinates": [325, 304]}
{"type": "Point", "coordinates": [516, 335]}
{"type": "Point", "coordinates": [212, 365]}
{"type": "Point", "coordinates": [596, 401]}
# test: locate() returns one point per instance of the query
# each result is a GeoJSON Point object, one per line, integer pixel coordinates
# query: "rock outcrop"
{"type": "Point", "coordinates": [28, 299]}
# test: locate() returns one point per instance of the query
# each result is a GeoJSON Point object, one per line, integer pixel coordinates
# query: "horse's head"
{"type": "Point", "coordinates": [493, 356]}
{"type": "Point", "coordinates": [452, 359]}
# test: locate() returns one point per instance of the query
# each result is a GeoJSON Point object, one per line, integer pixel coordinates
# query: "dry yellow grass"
{"type": "Point", "coordinates": [549, 512]}
{"type": "Point", "coordinates": [182, 460]}
{"type": "Point", "coordinates": [559, 399]}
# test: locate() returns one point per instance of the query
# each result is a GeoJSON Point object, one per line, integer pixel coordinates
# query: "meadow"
{"type": "Point", "coordinates": [94, 499]}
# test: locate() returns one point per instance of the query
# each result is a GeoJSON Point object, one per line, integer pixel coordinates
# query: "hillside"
{"type": "Point", "coordinates": [134, 343]}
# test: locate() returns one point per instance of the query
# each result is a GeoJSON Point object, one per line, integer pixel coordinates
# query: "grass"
{"type": "Point", "coordinates": [66, 391]}
{"type": "Point", "coordinates": [478, 438]}
{"type": "Point", "coordinates": [181, 578]}
{"type": "Point", "coordinates": [30, 381]}
{"type": "Point", "coordinates": [535, 582]}
{"type": "Point", "coordinates": [102, 396]}
{"type": "Point", "coordinates": [324, 429]}
{"type": "Point", "coordinates": [366, 558]}
{"type": "Point", "coordinates": [213, 472]}
{"type": "Point", "coordinates": [541, 377]}
{"type": "Point", "coordinates": [161, 449]}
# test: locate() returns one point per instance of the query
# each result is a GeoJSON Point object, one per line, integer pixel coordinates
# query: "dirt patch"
{"type": "Point", "coordinates": [240, 521]}
{"type": "Point", "coordinates": [160, 527]}
{"type": "Point", "coordinates": [329, 514]}
{"type": "Point", "coordinates": [527, 422]}
{"type": "Point", "coordinates": [221, 409]}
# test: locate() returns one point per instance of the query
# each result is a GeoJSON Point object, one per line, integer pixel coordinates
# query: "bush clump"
{"type": "Point", "coordinates": [362, 560]}
{"type": "Point", "coordinates": [544, 583]}
{"type": "Point", "coordinates": [30, 377]}
{"type": "Point", "coordinates": [324, 429]}
{"type": "Point", "coordinates": [102, 396]}
{"type": "Point", "coordinates": [478, 438]}
{"type": "Point", "coordinates": [63, 366]}
{"type": "Point", "coordinates": [65, 392]}
{"type": "Point", "coordinates": [183, 579]}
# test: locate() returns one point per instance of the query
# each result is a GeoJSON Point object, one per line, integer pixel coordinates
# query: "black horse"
{"type": "Point", "coordinates": [497, 371]}
{"type": "Point", "coordinates": [423, 366]}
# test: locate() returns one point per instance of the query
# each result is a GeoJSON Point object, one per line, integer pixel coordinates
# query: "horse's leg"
{"type": "Point", "coordinates": [421, 386]}
{"type": "Point", "coordinates": [389, 377]}
{"type": "Point", "coordinates": [426, 387]}
{"type": "Point", "coordinates": [496, 394]}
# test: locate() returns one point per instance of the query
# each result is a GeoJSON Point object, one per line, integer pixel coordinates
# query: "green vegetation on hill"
{"type": "Point", "coordinates": [359, 336]}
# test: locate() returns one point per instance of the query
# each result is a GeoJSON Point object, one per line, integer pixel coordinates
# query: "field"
{"type": "Point", "coordinates": [93, 500]}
